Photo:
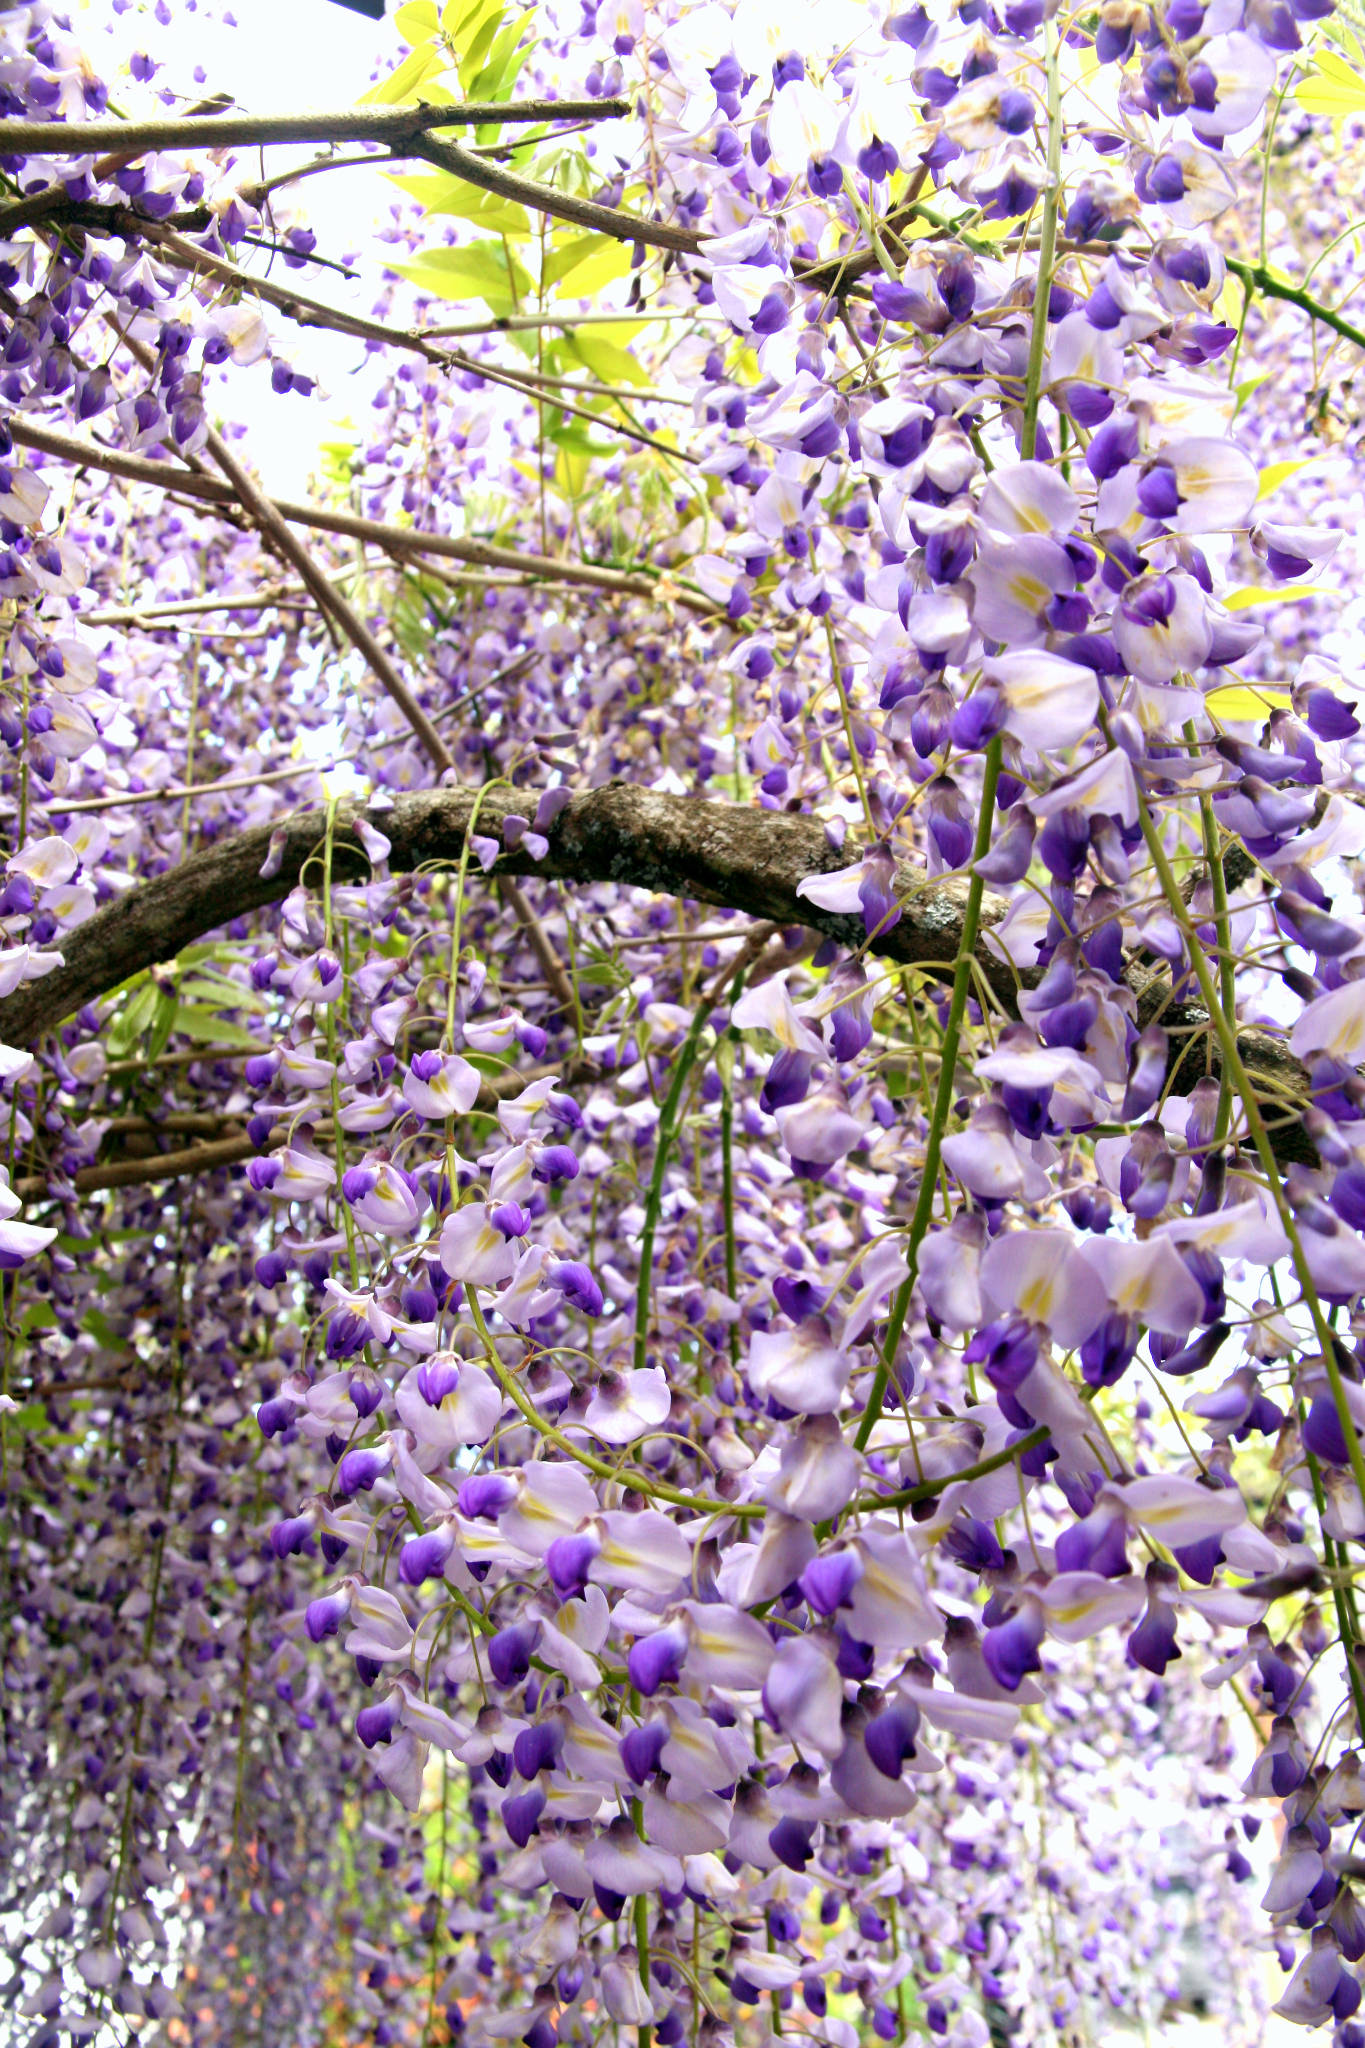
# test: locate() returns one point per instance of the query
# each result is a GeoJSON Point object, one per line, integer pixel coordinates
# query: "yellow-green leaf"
{"type": "Point", "coordinates": [1276, 473]}
{"type": "Point", "coordinates": [464, 21]}
{"type": "Point", "coordinates": [1242, 392]}
{"type": "Point", "coordinates": [444, 194]}
{"type": "Point", "coordinates": [498, 72]}
{"type": "Point", "coordinates": [583, 266]}
{"type": "Point", "coordinates": [1335, 88]}
{"type": "Point", "coordinates": [996, 230]}
{"type": "Point", "coordinates": [418, 22]}
{"type": "Point", "coordinates": [337, 460]}
{"type": "Point", "coordinates": [1228, 305]}
{"type": "Point", "coordinates": [572, 465]}
{"type": "Point", "coordinates": [418, 69]}
{"type": "Point", "coordinates": [1252, 594]}
{"type": "Point", "coordinates": [478, 270]}
{"type": "Point", "coordinates": [608, 361]}
{"type": "Point", "coordinates": [1241, 704]}
{"type": "Point", "coordinates": [473, 58]}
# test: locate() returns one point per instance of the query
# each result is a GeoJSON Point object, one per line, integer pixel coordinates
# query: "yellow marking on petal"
{"type": "Point", "coordinates": [1036, 1301]}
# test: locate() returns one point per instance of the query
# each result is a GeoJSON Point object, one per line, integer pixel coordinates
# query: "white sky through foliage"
{"type": "Point", "coordinates": [282, 56]}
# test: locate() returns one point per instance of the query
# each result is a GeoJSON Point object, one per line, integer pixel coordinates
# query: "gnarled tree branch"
{"type": "Point", "coordinates": [729, 855]}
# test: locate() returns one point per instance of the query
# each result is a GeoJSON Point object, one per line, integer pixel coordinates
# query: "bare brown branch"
{"type": "Point", "coordinates": [584, 213]}
{"type": "Point", "coordinates": [310, 312]}
{"type": "Point", "coordinates": [267, 517]}
{"type": "Point", "coordinates": [388, 125]}
{"type": "Point", "coordinates": [403, 542]}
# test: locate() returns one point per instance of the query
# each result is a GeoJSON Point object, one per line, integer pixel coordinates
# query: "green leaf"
{"type": "Point", "coordinates": [448, 195]}
{"type": "Point", "coordinates": [583, 266]}
{"type": "Point", "coordinates": [97, 1325]}
{"type": "Point", "coordinates": [132, 1020]}
{"type": "Point", "coordinates": [225, 950]}
{"type": "Point", "coordinates": [419, 68]}
{"type": "Point", "coordinates": [602, 973]}
{"type": "Point", "coordinates": [607, 360]}
{"type": "Point", "coordinates": [572, 434]}
{"type": "Point", "coordinates": [411, 621]}
{"type": "Point", "coordinates": [418, 22]}
{"type": "Point", "coordinates": [575, 455]}
{"type": "Point", "coordinates": [477, 270]}
{"type": "Point", "coordinates": [209, 1027]}
{"type": "Point", "coordinates": [498, 75]}
{"type": "Point", "coordinates": [214, 989]}
{"type": "Point", "coordinates": [163, 1019]}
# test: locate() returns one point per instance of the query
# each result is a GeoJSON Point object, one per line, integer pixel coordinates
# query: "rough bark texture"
{"type": "Point", "coordinates": [728, 855]}
{"type": "Point", "coordinates": [718, 853]}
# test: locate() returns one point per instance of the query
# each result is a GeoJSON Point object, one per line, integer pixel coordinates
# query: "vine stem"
{"type": "Point", "coordinates": [1227, 966]}
{"type": "Point", "coordinates": [727, 1054]}
{"type": "Point", "coordinates": [943, 1102]}
{"type": "Point", "coordinates": [929, 1489]}
{"type": "Point", "coordinates": [626, 1476]}
{"type": "Point", "coordinates": [971, 920]}
{"type": "Point", "coordinates": [1258, 277]}
{"type": "Point", "coordinates": [1226, 1030]}
{"type": "Point", "coordinates": [742, 1510]}
{"type": "Point", "coordinates": [1336, 1559]}
{"type": "Point", "coordinates": [1047, 252]}
{"type": "Point", "coordinates": [668, 1123]}
{"type": "Point", "coordinates": [645, 2033]}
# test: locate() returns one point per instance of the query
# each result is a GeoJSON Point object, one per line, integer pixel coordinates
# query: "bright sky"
{"type": "Point", "coordinates": [283, 56]}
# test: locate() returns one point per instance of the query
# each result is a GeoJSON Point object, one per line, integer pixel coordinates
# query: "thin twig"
{"type": "Point", "coordinates": [266, 515]}
{"type": "Point", "coordinates": [527, 323]}
{"type": "Point", "coordinates": [143, 614]}
{"type": "Point", "coordinates": [399, 541]}
{"type": "Point", "coordinates": [179, 791]}
{"type": "Point", "coordinates": [311, 312]}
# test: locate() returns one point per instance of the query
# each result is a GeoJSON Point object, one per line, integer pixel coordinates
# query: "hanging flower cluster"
{"type": "Point", "coordinates": [658, 1444]}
